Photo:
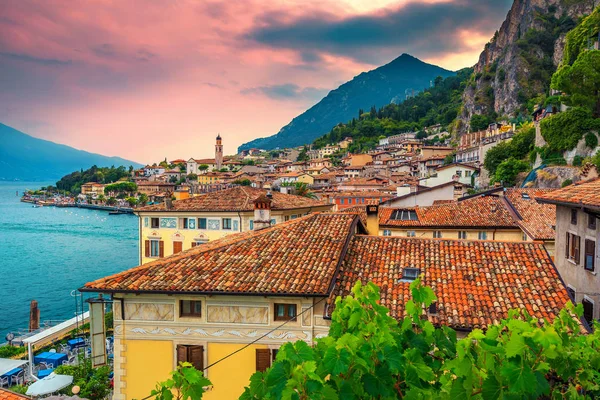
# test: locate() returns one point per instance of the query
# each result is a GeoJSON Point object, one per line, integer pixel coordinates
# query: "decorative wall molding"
{"type": "Point", "coordinates": [168, 223]}
{"type": "Point", "coordinates": [213, 224]}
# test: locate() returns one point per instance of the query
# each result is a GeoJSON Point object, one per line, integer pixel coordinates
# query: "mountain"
{"type": "Point", "coordinates": [387, 84]}
{"type": "Point", "coordinates": [23, 157]}
{"type": "Point", "coordinates": [514, 70]}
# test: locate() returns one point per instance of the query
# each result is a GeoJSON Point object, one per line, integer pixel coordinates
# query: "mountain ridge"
{"type": "Point", "coordinates": [25, 157]}
{"type": "Point", "coordinates": [378, 87]}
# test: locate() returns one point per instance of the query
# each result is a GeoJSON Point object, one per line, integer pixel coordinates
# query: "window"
{"type": "Point", "coordinates": [588, 310]}
{"type": "Point", "coordinates": [192, 354]}
{"type": "Point", "coordinates": [525, 196]}
{"type": "Point", "coordinates": [410, 274]}
{"type": "Point", "coordinates": [183, 223]}
{"type": "Point", "coordinates": [226, 223]}
{"type": "Point", "coordinates": [199, 242]}
{"type": "Point", "coordinates": [264, 358]}
{"type": "Point", "coordinates": [404, 215]}
{"type": "Point", "coordinates": [467, 174]}
{"type": "Point", "coordinates": [410, 233]}
{"type": "Point", "coordinates": [437, 234]}
{"type": "Point", "coordinates": [573, 247]}
{"type": "Point", "coordinates": [482, 235]}
{"type": "Point", "coordinates": [433, 308]}
{"type": "Point", "coordinates": [341, 201]}
{"type": "Point", "coordinates": [154, 248]}
{"type": "Point", "coordinates": [285, 312]}
{"type": "Point", "coordinates": [525, 237]}
{"type": "Point", "coordinates": [190, 308]}
{"type": "Point", "coordinates": [590, 254]}
{"type": "Point", "coordinates": [155, 223]}
{"type": "Point", "coordinates": [294, 216]}
{"type": "Point", "coordinates": [592, 222]}
{"type": "Point", "coordinates": [462, 234]}
{"type": "Point", "coordinates": [177, 247]}
{"type": "Point", "coordinates": [387, 232]}
{"type": "Point", "coordinates": [574, 217]}
{"type": "Point", "coordinates": [459, 173]}
{"type": "Point", "coordinates": [286, 218]}
{"type": "Point", "coordinates": [201, 223]}
{"type": "Point", "coordinates": [251, 224]}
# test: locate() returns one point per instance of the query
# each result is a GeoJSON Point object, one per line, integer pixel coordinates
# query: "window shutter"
{"type": "Point", "coordinates": [590, 254]}
{"type": "Point", "coordinates": [196, 357]}
{"type": "Point", "coordinates": [567, 252]}
{"type": "Point", "coordinates": [182, 353]}
{"type": "Point", "coordinates": [263, 359]}
{"type": "Point", "coordinates": [161, 248]}
{"type": "Point", "coordinates": [577, 249]}
{"type": "Point", "coordinates": [177, 247]}
{"type": "Point", "coordinates": [194, 244]}
{"type": "Point", "coordinates": [147, 248]}
{"type": "Point", "coordinates": [274, 352]}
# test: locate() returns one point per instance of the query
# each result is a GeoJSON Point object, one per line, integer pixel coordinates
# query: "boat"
{"type": "Point", "coordinates": [117, 212]}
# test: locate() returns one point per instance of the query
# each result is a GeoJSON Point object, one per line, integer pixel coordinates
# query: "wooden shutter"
{"type": "Point", "coordinates": [161, 248]}
{"type": "Point", "coordinates": [577, 248]}
{"type": "Point", "coordinates": [182, 353]}
{"type": "Point", "coordinates": [194, 244]}
{"type": "Point", "coordinates": [147, 248]}
{"type": "Point", "coordinates": [568, 250]}
{"type": "Point", "coordinates": [274, 352]}
{"type": "Point", "coordinates": [196, 357]}
{"type": "Point", "coordinates": [263, 359]}
{"type": "Point", "coordinates": [177, 247]}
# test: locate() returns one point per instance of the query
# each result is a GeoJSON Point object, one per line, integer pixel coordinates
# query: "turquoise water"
{"type": "Point", "coordinates": [47, 252]}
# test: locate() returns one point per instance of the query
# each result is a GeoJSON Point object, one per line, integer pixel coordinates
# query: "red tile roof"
{"type": "Point", "coordinates": [586, 193]}
{"type": "Point", "coordinates": [297, 257]}
{"type": "Point", "coordinates": [476, 282]}
{"type": "Point", "coordinates": [9, 395]}
{"type": "Point", "coordinates": [535, 218]}
{"type": "Point", "coordinates": [238, 198]}
{"type": "Point", "coordinates": [484, 211]}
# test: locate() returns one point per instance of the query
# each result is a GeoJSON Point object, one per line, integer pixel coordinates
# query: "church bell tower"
{"type": "Point", "coordinates": [219, 153]}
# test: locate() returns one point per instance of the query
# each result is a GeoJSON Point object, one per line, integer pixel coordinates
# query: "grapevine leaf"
{"type": "Point", "coordinates": [516, 345]}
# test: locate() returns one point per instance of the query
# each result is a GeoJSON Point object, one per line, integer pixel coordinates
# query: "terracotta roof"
{"type": "Point", "coordinates": [476, 282]}
{"type": "Point", "coordinates": [296, 257]}
{"type": "Point", "coordinates": [535, 218]}
{"type": "Point", "coordinates": [9, 395]}
{"type": "Point", "coordinates": [484, 211]}
{"type": "Point", "coordinates": [361, 193]}
{"type": "Point", "coordinates": [585, 193]}
{"type": "Point", "coordinates": [361, 211]}
{"type": "Point", "coordinates": [238, 198]}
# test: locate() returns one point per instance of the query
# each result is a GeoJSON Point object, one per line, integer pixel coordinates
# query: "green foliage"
{"type": "Point", "coordinates": [108, 320]}
{"type": "Point", "coordinates": [438, 104]}
{"type": "Point", "coordinates": [192, 177]}
{"type": "Point", "coordinates": [577, 161]}
{"type": "Point", "coordinates": [581, 81]}
{"type": "Point", "coordinates": [596, 160]}
{"type": "Point", "coordinates": [303, 156]}
{"type": "Point", "coordinates": [566, 182]}
{"type": "Point", "coordinates": [508, 170]}
{"type": "Point", "coordinates": [143, 199]}
{"type": "Point", "coordinates": [10, 351]}
{"type": "Point", "coordinates": [21, 389]}
{"type": "Point", "coordinates": [480, 122]}
{"type": "Point", "coordinates": [94, 382]}
{"type": "Point", "coordinates": [121, 187]}
{"type": "Point", "coordinates": [518, 148]}
{"type": "Point", "coordinates": [591, 140]}
{"type": "Point", "coordinates": [578, 39]}
{"type": "Point", "coordinates": [370, 355]}
{"type": "Point", "coordinates": [111, 201]}
{"type": "Point", "coordinates": [186, 382]}
{"type": "Point", "coordinates": [203, 167]}
{"type": "Point", "coordinates": [419, 135]}
{"type": "Point", "coordinates": [72, 182]}
{"type": "Point", "coordinates": [242, 182]}
{"type": "Point", "coordinates": [564, 130]}
{"type": "Point", "coordinates": [551, 157]}
{"type": "Point", "coordinates": [132, 201]}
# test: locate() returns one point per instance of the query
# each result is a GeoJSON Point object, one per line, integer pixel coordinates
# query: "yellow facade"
{"type": "Point", "coordinates": [169, 227]}
{"type": "Point", "coordinates": [208, 178]}
{"type": "Point", "coordinates": [504, 235]}
{"type": "Point", "coordinates": [148, 329]}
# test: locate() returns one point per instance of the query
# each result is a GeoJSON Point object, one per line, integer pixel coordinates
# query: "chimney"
{"type": "Point", "coordinates": [262, 212]}
{"type": "Point", "coordinates": [373, 218]}
{"type": "Point", "coordinates": [34, 316]}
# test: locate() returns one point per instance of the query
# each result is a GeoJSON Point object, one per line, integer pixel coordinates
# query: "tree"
{"type": "Point", "coordinates": [303, 156]}
{"type": "Point", "coordinates": [421, 135]}
{"type": "Point", "coordinates": [242, 182]}
{"type": "Point", "coordinates": [101, 198]}
{"type": "Point", "coordinates": [192, 177]}
{"type": "Point", "coordinates": [132, 201]}
{"type": "Point", "coordinates": [370, 355]}
{"type": "Point", "coordinates": [302, 189]}
{"type": "Point", "coordinates": [202, 167]}
{"type": "Point", "coordinates": [508, 170]}
{"type": "Point", "coordinates": [111, 201]}
{"type": "Point", "coordinates": [143, 199]}
{"type": "Point", "coordinates": [581, 81]}
{"type": "Point", "coordinates": [480, 122]}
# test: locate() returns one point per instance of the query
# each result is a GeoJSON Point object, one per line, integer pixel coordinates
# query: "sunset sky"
{"type": "Point", "coordinates": [148, 79]}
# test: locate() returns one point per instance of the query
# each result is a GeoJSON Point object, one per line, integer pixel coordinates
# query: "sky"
{"type": "Point", "coordinates": [149, 79]}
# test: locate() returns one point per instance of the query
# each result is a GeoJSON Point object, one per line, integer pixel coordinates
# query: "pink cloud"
{"type": "Point", "coordinates": [150, 79]}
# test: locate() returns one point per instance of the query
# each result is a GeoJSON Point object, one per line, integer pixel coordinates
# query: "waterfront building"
{"type": "Point", "coordinates": [171, 227]}
{"type": "Point", "coordinates": [211, 301]}
{"type": "Point", "coordinates": [577, 239]}
{"type": "Point", "coordinates": [154, 187]}
{"type": "Point", "coordinates": [92, 188]}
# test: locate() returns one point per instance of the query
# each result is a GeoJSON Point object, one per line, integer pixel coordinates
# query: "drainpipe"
{"type": "Point", "coordinates": [240, 217]}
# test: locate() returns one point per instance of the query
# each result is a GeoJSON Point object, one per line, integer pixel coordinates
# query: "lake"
{"type": "Point", "coordinates": [47, 252]}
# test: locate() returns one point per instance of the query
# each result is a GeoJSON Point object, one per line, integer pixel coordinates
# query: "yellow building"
{"type": "Point", "coordinates": [506, 215]}
{"type": "Point", "coordinates": [209, 178]}
{"type": "Point", "coordinates": [244, 296]}
{"type": "Point", "coordinates": [93, 188]}
{"type": "Point", "coordinates": [165, 230]}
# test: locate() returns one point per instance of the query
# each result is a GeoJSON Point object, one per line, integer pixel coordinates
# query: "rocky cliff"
{"type": "Point", "coordinates": [514, 70]}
